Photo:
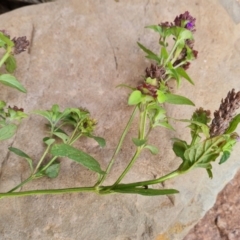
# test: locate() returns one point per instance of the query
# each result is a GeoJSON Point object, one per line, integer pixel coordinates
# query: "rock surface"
{"type": "Point", "coordinates": [221, 222]}
{"type": "Point", "coordinates": [80, 51]}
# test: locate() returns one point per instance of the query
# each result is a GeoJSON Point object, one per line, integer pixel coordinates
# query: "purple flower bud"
{"type": "Point", "coordinates": [181, 20]}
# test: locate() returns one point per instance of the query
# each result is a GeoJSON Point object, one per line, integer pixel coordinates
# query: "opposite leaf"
{"type": "Point", "coordinates": [65, 150]}
{"type": "Point", "coordinates": [146, 192]}
{"type": "Point", "coordinates": [177, 99]}
{"type": "Point", "coordinates": [53, 170]}
{"type": "Point", "coordinates": [7, 131]}
{"type": "Point", "coordinates": [22, 154]}
{"type": "Point", "coordinates": [11, 81]}
{"type": "Point", "coordinates": [233, 124]}
{"type": "Point", "coordinates": [139, 142]}
{"type": "Point", "coordinates": [135, 98]}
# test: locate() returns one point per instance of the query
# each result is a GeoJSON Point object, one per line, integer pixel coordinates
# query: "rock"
{"type": "Point", "coordinates": [80, 51]}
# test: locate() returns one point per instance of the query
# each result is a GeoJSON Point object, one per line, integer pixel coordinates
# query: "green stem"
{"type": "Point", "coordinates": [101, 180]}
{"type": "Point", "coordinates": [48, 191]}
{"type": "Point", "coordinates": [129, 166]}
{"type": "Point", "coordinates": [71, 140]}
{"type": "Point", "coordinates": [171, 53]}
{"type": "Point", "coordinates": [150, 182]}
{"type": "Point", "coordinates": [41, 160]}
{"type": "Point", "coordinates": [5, 57]}
{"type": "Point", "coordinates": [21, 184]}
{"type": "Point", "coordinates": [142, 128]}
{"type": "Point", "coordinates": [49, 163]}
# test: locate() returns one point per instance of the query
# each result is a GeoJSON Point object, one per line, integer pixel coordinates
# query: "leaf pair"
{"type": "Point", "coordinates": [203, 153]}
{"type": "Point", "coordinates": [63, 150]}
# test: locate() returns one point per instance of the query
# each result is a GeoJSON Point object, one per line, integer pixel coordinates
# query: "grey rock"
{"type": "Point", "coordinates": [80, 51]}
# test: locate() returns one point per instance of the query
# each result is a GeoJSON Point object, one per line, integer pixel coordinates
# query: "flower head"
{"type": "Point", "coordinates": [148, 89]}
{"type": "Point", "coordinates": [185, 20]}
{"type": "Point", "coordinates": [155, 71]}
{"type": "Point", "coordinates": [225, 113]}
{"type": "Point", "coordinates": [21, 44]}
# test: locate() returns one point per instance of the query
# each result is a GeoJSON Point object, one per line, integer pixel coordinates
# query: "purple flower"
{"type": "Point", "coordinates": [181, 20]}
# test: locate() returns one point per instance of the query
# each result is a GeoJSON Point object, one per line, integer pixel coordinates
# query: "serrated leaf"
{"type": "Point", "coordinates": [64, 150]}
{"type": "Point", "coordinates": [11, 64]}
{"type": "Point", "coordinates": [139, 142]}
{"type": "Point", "coordinates": [22, 154]}
{"type": "Point", "coordinates": [11, 81]}
{"type": "Point", "coordinates": [7, 131]}
{"type": "Point", "coordinates": [154, 150]}
{"type": "Point", "coordinates": [177, 99]}
{"type": "Point", "coordinates": [135, 98]}
{"type": "Point", "coordinates": [53, 170]}
{"type": "Point", "coordinates": [150, 54]}
{"type": "Point", "coordinates": [184, 74]}
{"type": "Point", "coordinates": [233, 124]}
{"type": "Point", "coordinates": [146, 192]}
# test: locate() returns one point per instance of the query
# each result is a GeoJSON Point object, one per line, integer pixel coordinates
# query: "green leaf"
{"type": "Point", "coordinates": [204, 128]}
{"type": "Point", "coordinates": [177, 99]}
{"type": "Point", "coordinates": [146, 192]}
{"type": "Point", "coordinates": [161, 96]}
{"type": "Point", "coordinates": [154, 150]}
{"type": "Point", "coordinates": [164, 53]}
{"type": "Point", "coordinates": [150, 54]}
{"type": "Point", "coordinates": [233, 124]}
{"type": "Point", "coordinates": [7, 131]}
{"type": "Point", "coordinates": [101, 141]}
{"type": "Point", "coordinates": [225, 157]}
{"type": "Point", "coordinates": [135, 98]}
{"type": "Point", "coordinates": [22, 154]}
{"type": "Point", "coordinates": [11, 81]}
{"type": "Point", "coordinates": [53, 170]}
{"type": "Point", "coordinates": [62, 136]}
{"type": "Point", "coordinates": [185, 34]}
{"type": "Point", "coordinates": [2, 104]}
{"type": "Point", "coordinates": [64, 150]}
{"type": "Point", "coordinates": [6, 39]}
{"type": "Point", "coordinates": [164, 124]}
{"type": "Point", "coordinates": [171, 71]}
{"type": "Point", "coordinates": [156, 28]}
{"type": "Point", "coordinates": [45, 114]}
{"type": "Point", "coordinates": [139, 142]}
{"type": "Point", "coordinates": [11, 64]}
{"type": "Point", "coordinates": [209, 173]}
{"type": "Point", "coordinates": [205, 151]}
{"type": "Point", "coordinates": [183, 74]}
{"type": "Point", "coordinates": [49, 141]}
{"type": "Point", "coordinates": [179, 148]}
